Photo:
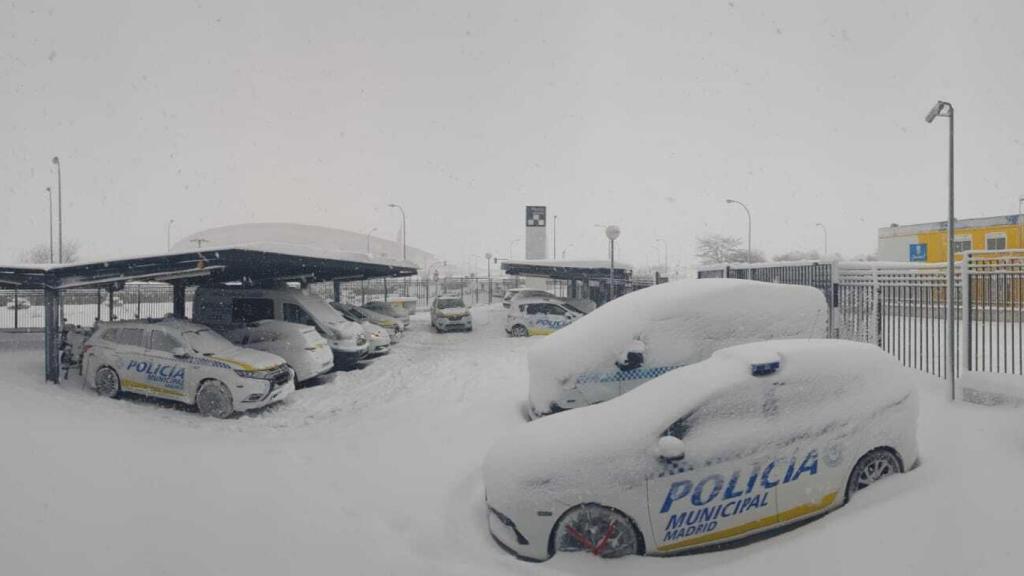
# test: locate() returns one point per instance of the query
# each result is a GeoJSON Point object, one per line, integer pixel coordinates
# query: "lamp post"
{"type": "Point", "coordinates": [510, 244]}
{"type": "Point", "coordinates": [946, 109]}
{"type": "Point", "coordinates": [169, 222]}
{"type": "Point", "coordinates": [442, 263]}
{"type": "Point", "coordinates": [665, 244]}
{"type": "Point", "coordinates": [490, 291]}
{"type": "Point", "coordinates": [403, 226]}
{"type": "Point", "coordinates": [612, 232]}
{"type": "Point", "coordinates": [749, 251]}
{"type": "Point", "coordinates": [825, 230]}
{"type": "Point", "coordinates": [60, 214]}
{"type": "Point", "coordinates": [49, 192]}
{"type": "Point", "coordinates": [1020, 223]}
{"type": "Point", "coordinates": [368, 239]}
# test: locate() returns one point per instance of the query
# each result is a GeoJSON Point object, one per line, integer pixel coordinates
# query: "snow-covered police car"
{"type": "Point", "coordinates": [755, 438]}
{"type": "Point", "coordinates": [450, 313]}
{"type": "Point", "coordinates": [183, 361]}
{"type": "Point", "coordinates": [538, 316]}
{"type": "Point", "coordinates": [646, 333]}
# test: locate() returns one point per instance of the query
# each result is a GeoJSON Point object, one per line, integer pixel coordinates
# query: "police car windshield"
{"type": "Point", "coordinates": [206, 341]}
{"type": "Point", "coordinates": [450, 303]}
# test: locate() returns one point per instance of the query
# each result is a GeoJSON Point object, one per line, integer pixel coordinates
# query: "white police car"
{"type": "Point", "coordinates": [647, 333]}
{"type": "Point", "coordinates": [755, 438]}
{"type": "Point", "coordinates": [183, 361]}
{"type": "Point", "coordinates": [450, 313]}
{"type": "Point", "coordinates": [539, 316]}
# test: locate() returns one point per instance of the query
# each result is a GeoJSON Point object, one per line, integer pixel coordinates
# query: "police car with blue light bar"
{"type": "Point", "coordinates": [758, 437]}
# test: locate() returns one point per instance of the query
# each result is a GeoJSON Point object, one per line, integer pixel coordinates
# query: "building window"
{"type": "Point", "coordinates": [995, 241]}
{"type": "Point", "coordinates": [961, 244]}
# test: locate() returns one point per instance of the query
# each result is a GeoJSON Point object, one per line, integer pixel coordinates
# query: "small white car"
{"type": "Point", "coordinates": [758, 437]}
{"type": "Point", "coordinates": [539, 316]}
{"type": "Point", "coordinates": [183, 361]}
{"type": "Point", "coordinates": [19, 304]}
{"type": "Point", "coordinates": [646, 333]}
{"type": "Point", "coordinates": [450, 313]}
{"type": "Point", "coordinates": [393, 309]}
{"type": "Point", "coordinates": [367, 317]}
{"type": "Point", "coordinates": [302, 347]}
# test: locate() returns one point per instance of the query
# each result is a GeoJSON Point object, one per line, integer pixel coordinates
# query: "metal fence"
{"type": "Point", "coordinates": [901, 307]}
{"type": "Point", "coordinates": [23, 309]}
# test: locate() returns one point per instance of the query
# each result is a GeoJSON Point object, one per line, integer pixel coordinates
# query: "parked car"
{"type": "Point", "coordinates": [450, 313]}
{"type": "Point", "coordinates": [408, 303]}
{"type": "Point", "coordinates": [538, 316]}
{"type": "Point", "coordinates": [394, 310]}
{"type": "Point", "coordinates": [186, 362]}
{"type": "Point", "coordinates": [757, 437]}
{"type": "Point", "coordinates": [513, 293]}
{"type": "Point", "coordinates": [378, 342]}
{"type": "Point", "coordinates": [225, 306]}
{"type": "Point", "coordinates": [19, 304]}
{"type": "Point", "coordinates": [302, 347]}
{"type": "Point", "coordinates": [364, 315]}
{"type": "Point", "coordinates": [646, 333]}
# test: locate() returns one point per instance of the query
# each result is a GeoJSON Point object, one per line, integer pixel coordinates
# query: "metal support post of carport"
{"type": "Point", "coordinates": [179, 300]}
{"type": "Point", "coordinates": [52, 326]}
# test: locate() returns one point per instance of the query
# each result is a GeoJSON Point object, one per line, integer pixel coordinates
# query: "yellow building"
{"type": "Point", "coordinates": [927, 242]}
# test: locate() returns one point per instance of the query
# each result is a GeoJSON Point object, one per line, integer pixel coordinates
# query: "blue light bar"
{"type": "Point", "coordinates": [765, 368]}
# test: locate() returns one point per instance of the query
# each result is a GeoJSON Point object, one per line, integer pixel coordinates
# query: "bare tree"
{"type": "Point", "coordinates": [40, 253]}
{"type": "Point", "coordinates": [797, 255]}
{"type": "Point", "coordinates": [721, 249]}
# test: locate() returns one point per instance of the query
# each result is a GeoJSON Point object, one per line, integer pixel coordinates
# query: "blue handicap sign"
{"type": "Point", "coordinates": [918, 252]}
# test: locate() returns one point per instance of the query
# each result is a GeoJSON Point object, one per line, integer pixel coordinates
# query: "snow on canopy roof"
{"type": "Point", "coordinates": [580, 264]}
{"type": "Point", "coordinates": [301, 240]}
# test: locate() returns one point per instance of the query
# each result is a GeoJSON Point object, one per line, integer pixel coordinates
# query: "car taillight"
{"type": "Point", "coordinates": [86, 348]}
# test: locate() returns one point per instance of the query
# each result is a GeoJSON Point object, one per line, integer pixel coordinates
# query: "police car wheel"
{"type": "Point", "coordinates": [108, 383]}
{"type": "Point", "coordinates": [871, 468]}
{"type": "Point", "coordinates": [214, 399]}
{"type": "Point", "coordinates": [519, 331]}
{"type": "Point", "coordinates": [597, 530]}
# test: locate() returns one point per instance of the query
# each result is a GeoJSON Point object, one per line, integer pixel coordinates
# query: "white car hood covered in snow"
{"type": "Point", "coordinates": [599, 450]}
{"type": "Point", "coordinates": [679, 323]}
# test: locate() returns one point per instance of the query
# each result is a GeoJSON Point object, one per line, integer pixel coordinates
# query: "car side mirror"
{"type": "Point", "coordinates": [669, 448]}
{"type": "Point", "coordinates": [179, 352]}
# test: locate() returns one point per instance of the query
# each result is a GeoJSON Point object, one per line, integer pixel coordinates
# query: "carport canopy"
{"type": "Point", "coordinates": [566, 269]}
{"type": "Point", "coordinates": [248, 264]}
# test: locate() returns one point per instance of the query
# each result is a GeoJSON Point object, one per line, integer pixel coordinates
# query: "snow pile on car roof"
{"type": "Point", "coordinates": [678, 323]}
{"type": "Point", "coordinates": [600, 449]}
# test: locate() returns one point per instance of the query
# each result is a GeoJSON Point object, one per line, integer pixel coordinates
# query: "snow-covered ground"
{"type": "Point", "coordinates": [377, 471]}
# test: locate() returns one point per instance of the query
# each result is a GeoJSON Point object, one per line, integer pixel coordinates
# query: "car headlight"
{"type": "Point", "coordinates": [360, 340]}
{"type": "Point", "coordinates": [256, 374]}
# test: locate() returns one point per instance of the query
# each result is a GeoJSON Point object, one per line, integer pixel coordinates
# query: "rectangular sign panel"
{"type": "Point", "coordinates": [536, 232]}
{"type": "Point", "coordinates": [918, 252]}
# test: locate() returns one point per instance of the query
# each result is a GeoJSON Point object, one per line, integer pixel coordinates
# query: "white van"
{"type": "Point", "coordinates": [220, 306]}
{"type": "Point", "coordinates": [302, 347]}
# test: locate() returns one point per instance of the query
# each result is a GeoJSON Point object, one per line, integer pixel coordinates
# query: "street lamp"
{"type": "Point", "coordinates": [665, 244]}
{"type": "Point", "coordinates": [368, 239]}
{"type": "Point", "coordinates": [946, 109]}
{"type": "Point", "coordinates": [403, 226]}
{"type": "Point", "coordinates": [749, 252]}
{"type": "Point", "coordinates": [825, 230]}
{"type": "Point", "coordinates": [60, 214]}
{"type": "Point", "coordinates": [510, 244]}
{"type": "Point", "coordinates": [169, 222]}
{"type": "Point", "coordinates": [612, 232]}
{"type": "Point", "coordinates": [49, 192]}
{"type": "Point", "coordinates": [442, 263]}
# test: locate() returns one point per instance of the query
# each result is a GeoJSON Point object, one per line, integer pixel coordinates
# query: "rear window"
{"type": "Point", "coordinates": [246, 310]}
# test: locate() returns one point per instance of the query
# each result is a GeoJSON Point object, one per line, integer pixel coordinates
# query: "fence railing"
{"type": "Point", "coordinates": [23, 309]}
{"type": "Point", "coordinates": [901, 307]}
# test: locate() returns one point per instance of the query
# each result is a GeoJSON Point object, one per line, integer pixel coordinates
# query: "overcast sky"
{"type": "Point", "coordinates": [643, 114]}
